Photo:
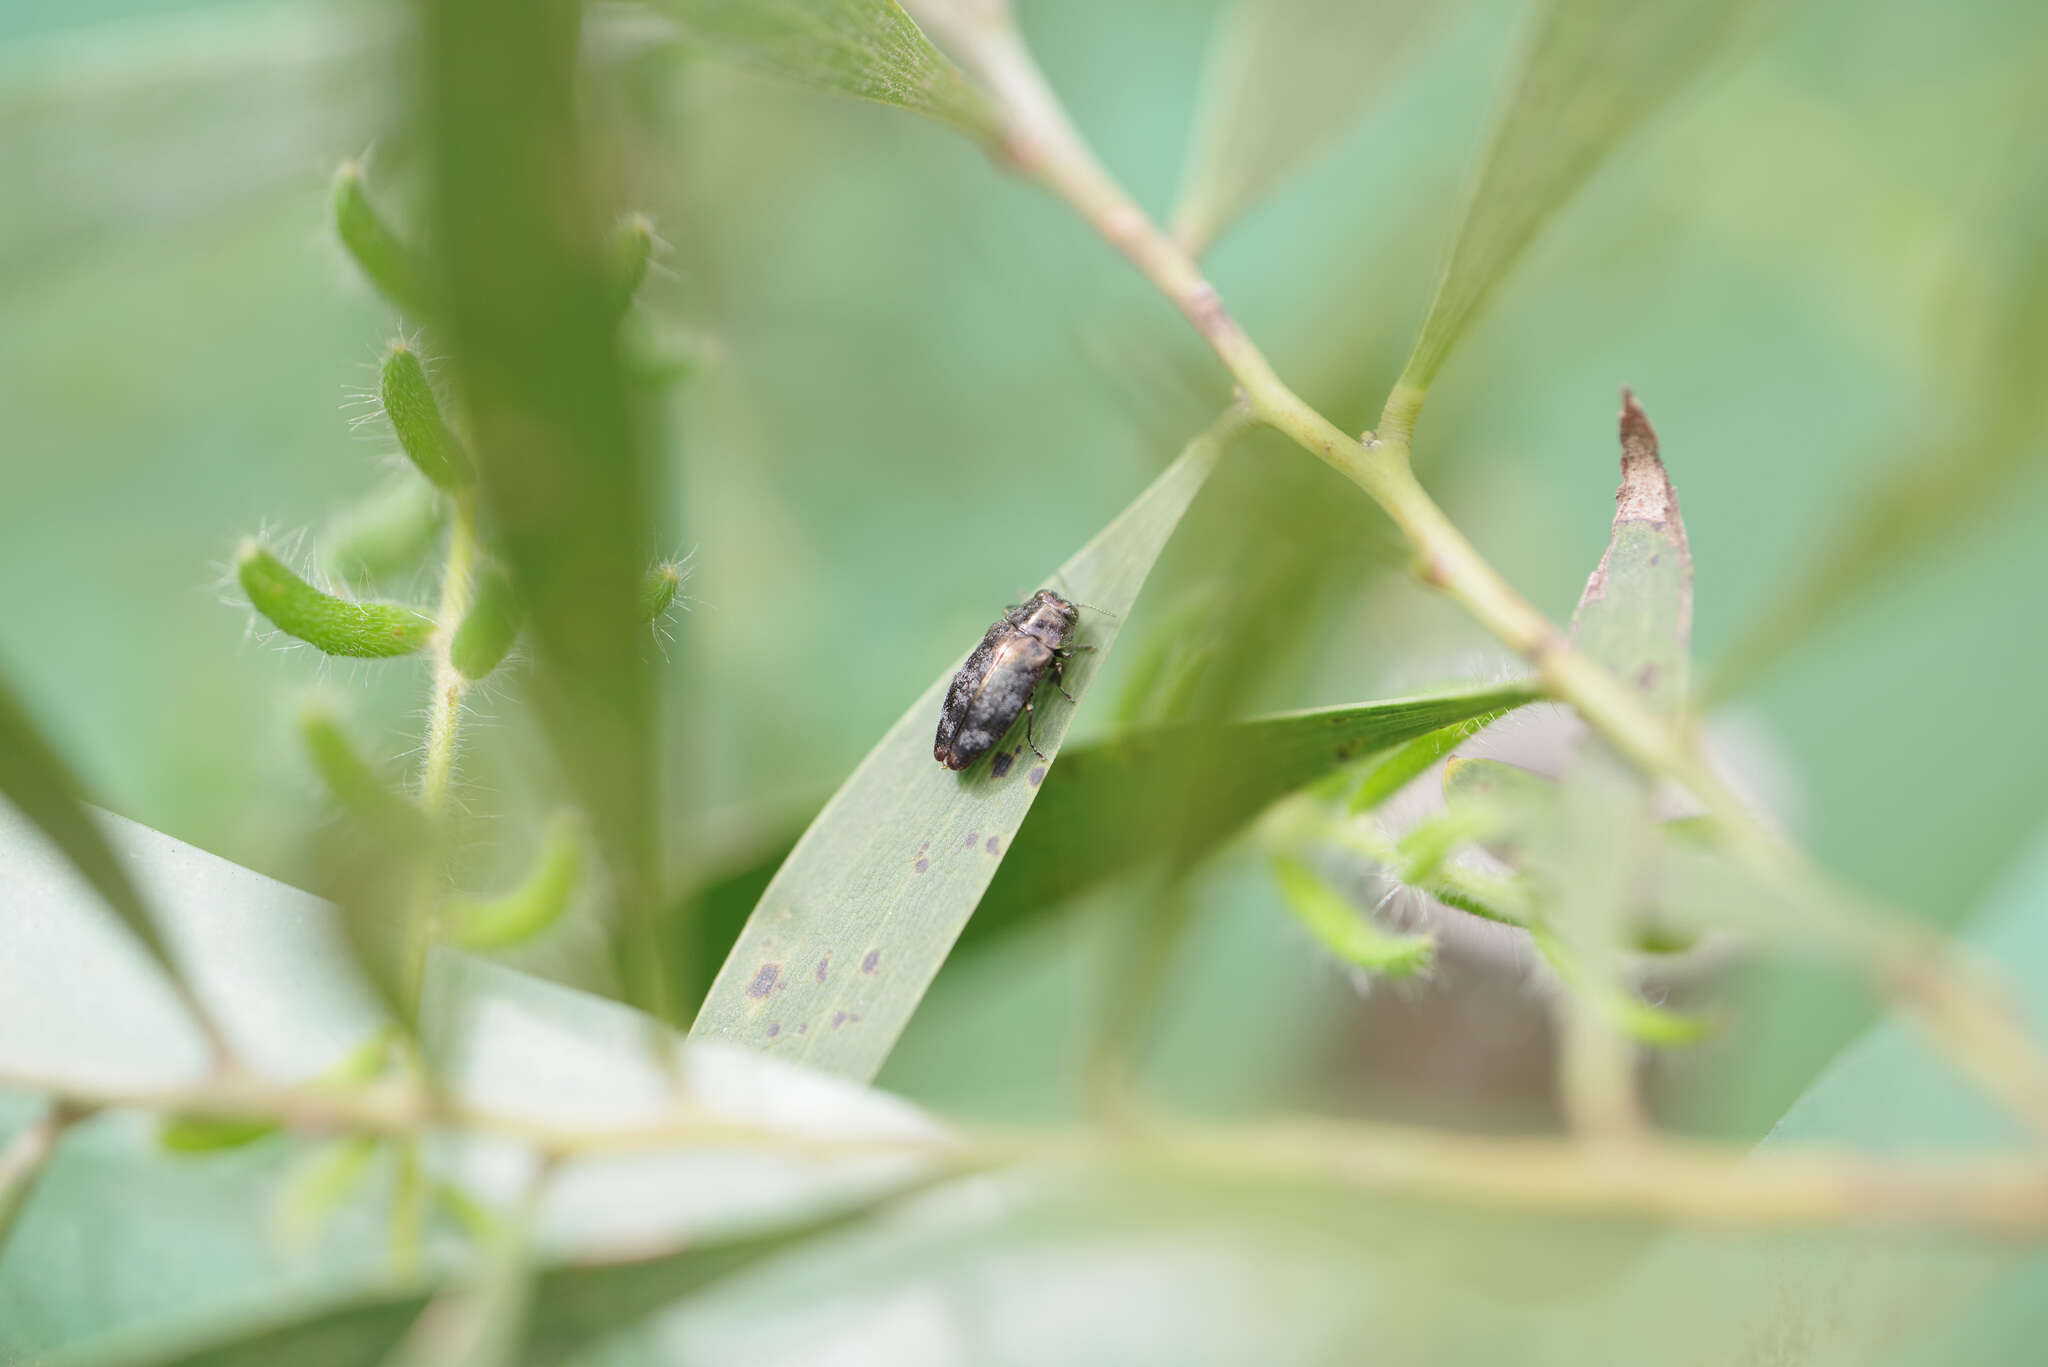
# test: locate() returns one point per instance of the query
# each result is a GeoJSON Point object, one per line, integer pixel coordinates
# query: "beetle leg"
{"type": "Point", "coordinates": [1057, 674]}
{"type": "Point", "coordinates": [1028, 710]}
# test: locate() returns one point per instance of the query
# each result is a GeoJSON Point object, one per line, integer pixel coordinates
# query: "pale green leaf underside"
{"type": "Point", "coordinates": [869, 49]}
{"type": "Point", "coordinates": [1284, 78]}
{"type": "Point", "coordinates": [1595, 72]}
{"type": "Point", "coordinates": [857, 921]}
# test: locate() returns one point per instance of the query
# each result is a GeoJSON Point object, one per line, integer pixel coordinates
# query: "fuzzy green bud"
{"type": "Point", "coordinates": [398, 271]}
{"type": "Point", "coordinates": [331, 625]}
{"type": "Point", "coordinates": [532, 907]}
{"type": "Point", "coordinates": [490, 626]}
{"type": "Point", "coordinates": [658, 590]}
{"type": "Point", "coordinates": [387, 532]}
{"type": "Point", "coordinates": [415, 416]}
{"type": "Point", "coordinates": [355, 786]}
{"type": "Point", "coordinates": [627, 256]}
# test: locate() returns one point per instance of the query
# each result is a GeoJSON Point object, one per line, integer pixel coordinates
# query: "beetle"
{"type": "Point", "coordinates": [998, 681]}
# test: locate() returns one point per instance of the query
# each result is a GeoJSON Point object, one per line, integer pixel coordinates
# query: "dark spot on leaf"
{"type": "Point", "coordinates": [1657, 557]}
{"type": "Point", "coordinates": [1646, 679]}
{"type": "Point", "coordinates": [923, 864]}
{"type": "Point", "coordinates": [972, 836]}
{"type": "Point", "coordinates": [1000, 765]}
{"type": "Point", "coordinates": [838, 1019]}
{"type": "Point", "coordinates": [874, 957]}
{"type": "Point", "coordinates": [823, 964]}
{"type": "Point", "coordinates": [803, 1029]}
{"type": "Point", "coordinates": [1037, 775]}
{"type": "Point", "coordinates": [764, 980]}
{"type": "Point", "coordinates": [774, 1029]}
{"type": "Point", "coordinates": [995, 846]}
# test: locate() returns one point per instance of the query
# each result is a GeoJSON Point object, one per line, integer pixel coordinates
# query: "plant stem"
{"type": "Point", "coordinates": [1708, 1185]}
{"type": "Point", "coordinates": [24, 1158]}
{"type": "Point", "coordinates": [444, 709]}
{"type": "Point", "coordinates": [1958, 1010]}
{"type": "Point", "coordinates": [444, 726]}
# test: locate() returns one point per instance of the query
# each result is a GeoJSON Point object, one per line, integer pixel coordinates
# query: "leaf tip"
{"type": "Point", "coordinates": [1645, 494]}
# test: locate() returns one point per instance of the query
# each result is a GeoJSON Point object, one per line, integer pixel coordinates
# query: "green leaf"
{"type": "Point", "coordinates": [400, 273]}
{"type": "Point", "coordinates": [1393, 772]}
{"type": "Point", "coordinates": [532, 907]}
{"type": "Point", "coordinates": [1635, 616]}
{"type": "Point", "coordinates": [869, 49]}
{"type": "Point", "coordinates": [1950, 473]}
{"type": "Point", "coordinates": [564, 466]}
{"type": "Point", "coordinates": [567, 1306]}
{"type": "Point", "coordinates": [1284, 78]}
{"type": "Point", "coordinates": [40, 785]}
{"type": "Point", "coordinates": [121, 130]}
{"type": "Point", "coordinates": [855, 924]}
{"type": "Point", "coordinates": [415, 416]}
{"type": "Point", "coordinates": [388, 532]}
{"type": "Point", "coordinates": [1595, 71]}
{"type": "Point", "coordinates": [1346, 931]}
{"type": "Point", "coordinates": [489, 627]}
{"type": "Point", "coordinates": [1102, 815]}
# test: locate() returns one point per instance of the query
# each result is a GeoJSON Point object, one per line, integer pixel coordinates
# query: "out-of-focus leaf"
{"type": "Point", "coordinates": [1347, 931]}
{"type": "Point", "coordinates": [1989, 431]}
{"type": "Point", "coordinates": [122, 1233]}
{"type": "Point", "coordinates": [1284, 78]}
{"type": "Point", "coordinates": [40, 785]}
{"type": "Point", "coordinates": [98, 126]}
{"type": "Point", "coordinates": [566, 1307]}
{"type": "Point", "coordinates": [127, 1243]}
{"type": "Point", "coordinates": [565, 476]}
{"type": "Point", "coordinates": [869, 49]}
{"type": "Point", "coordinates": [1594, 72]}
{"type": "Point", "coordinates": [1635, 616]}
{"type": "Point", "coordinates": [851, 931]}
{"type": "Point", "coordinates": [1098, 818]}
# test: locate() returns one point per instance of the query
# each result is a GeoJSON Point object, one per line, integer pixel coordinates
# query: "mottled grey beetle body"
{"type": "Point", "coordinates": [996, 683]}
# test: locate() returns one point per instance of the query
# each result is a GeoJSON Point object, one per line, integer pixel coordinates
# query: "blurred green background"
{"type": "Point", "coordinates": [921, 385]}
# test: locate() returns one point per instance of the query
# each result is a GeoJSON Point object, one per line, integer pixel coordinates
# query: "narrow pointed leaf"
{"type": "Point", "coordinates": [855, 924]}
{"type": "Point", "coordinates": [869, 49]}
{"type": "Point", "coordinates": [1102, 814]}
{"type": "Point", "coordinates": [569, 1306]}
{"type": "Point", "coordinates": [1595, 71]}
{"type": "Point", "coordinates": [1284, 78]}
{"type": "Point", "coordinates": [1396, 771]}
{"type": "Point", "coordinates": [1635, 616]}
{"type": "Point", "coordinates": [35, 779]}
